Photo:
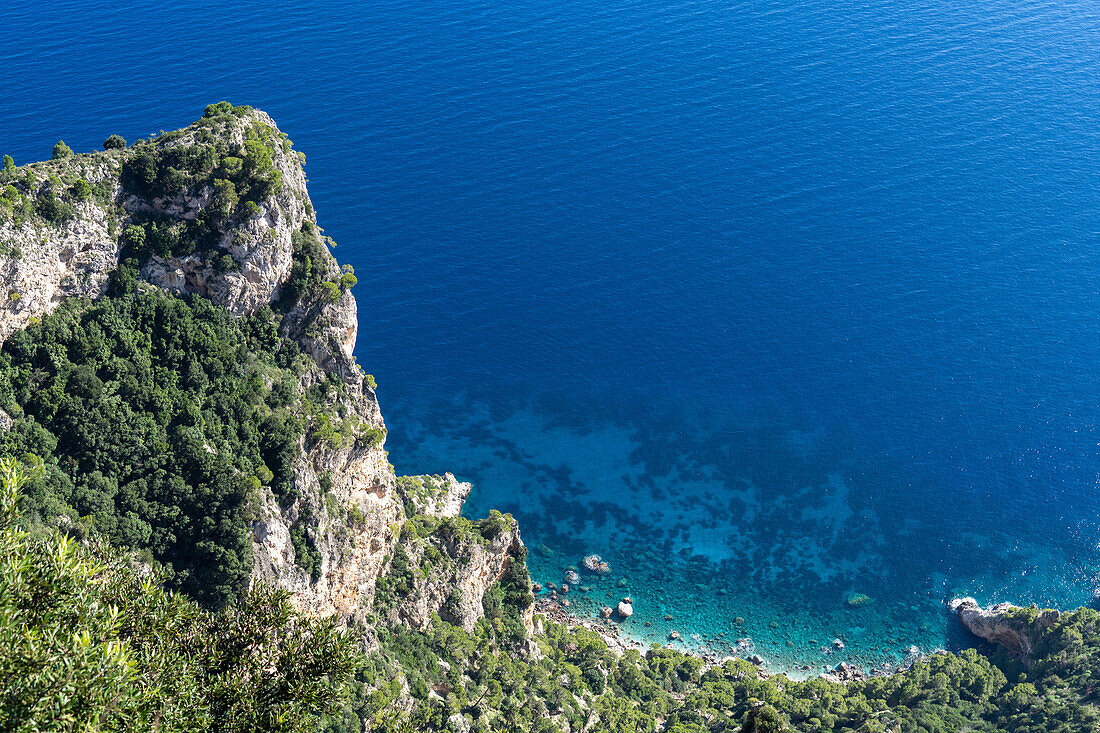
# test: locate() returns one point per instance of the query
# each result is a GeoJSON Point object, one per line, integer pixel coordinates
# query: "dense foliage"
{"type": "Point", "coordinates": [90, 642]}
{"type": "Point", "coordinates": [158, 419]}
{"type": "Point", "coordinates": [449, 674]}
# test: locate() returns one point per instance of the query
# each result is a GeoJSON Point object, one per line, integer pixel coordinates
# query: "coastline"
{"type": "Point", "coordinates": [619, 641]}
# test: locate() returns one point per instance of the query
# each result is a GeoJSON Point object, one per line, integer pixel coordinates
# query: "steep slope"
{"type": "Point", "coordinates": [220, 210]}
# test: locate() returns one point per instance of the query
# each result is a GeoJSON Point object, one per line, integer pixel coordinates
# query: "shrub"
{"type": "Point", "coordinates": [218, 108]}
{"type": "Point", "coordinates": [114, 142]}
{"type": "Point", "coordinates": [225, 196]}
{"type": "Point", "coordinates": [51, 208]}
{"type": "Point", "coordinates": [82, 190]}
{"type": "Point", "coordinates": [331, 290]}
{"type": "Point", "coordinates": [348, 279]}
{"type": "Point", "coordinates": [61, 150]}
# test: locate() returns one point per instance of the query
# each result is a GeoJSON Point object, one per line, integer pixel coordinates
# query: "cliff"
{"type": "Point", "coordinates": [220, 210]}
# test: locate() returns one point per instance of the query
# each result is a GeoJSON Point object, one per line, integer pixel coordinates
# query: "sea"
{"type": "Point", "coordinates": [789, 310]}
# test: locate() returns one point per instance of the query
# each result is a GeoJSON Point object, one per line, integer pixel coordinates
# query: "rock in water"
{"type": "Point", "coordinates": [625, 609]}
{"type": "Point", "coordinates": [855, 600]}
{"type": "Point", "coordinates": [1013, 627]}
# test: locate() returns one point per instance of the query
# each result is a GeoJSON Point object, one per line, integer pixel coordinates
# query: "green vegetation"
{"type": "Point", "coordinates": [481, 678]}
{"type": "Point", "coordinates": [90, 642]}
{"type": "Point", "coordinates": [45, 193]}
{"type": "Point", "coordinates": [201, 157]}
{"type": "Point", "coordinates": [157, 419]}
{"type": "Point", "coordinates": [114, 142]}
{"type": "Point", "coordinates": [308, 272]}
{"type": "Point", "coordinates": [61, 150]}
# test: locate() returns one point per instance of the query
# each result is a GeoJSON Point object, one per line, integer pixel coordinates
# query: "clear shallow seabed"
{"type": "Point", "coordinates": [731, 533]}
{"type": "Point", "coordinates": [766, 302]}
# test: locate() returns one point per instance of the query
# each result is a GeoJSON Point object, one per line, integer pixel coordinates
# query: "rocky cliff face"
{"type": "Point", "coordinates": [1016, 629]}
{"type": "Point", "coordinates": [42, 262]}
{"type": "Point", "coordinates": [457, 562]}
{"type": "Point", "coordinates": [233, 183]}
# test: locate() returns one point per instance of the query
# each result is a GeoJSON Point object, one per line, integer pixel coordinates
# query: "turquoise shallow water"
{"type": "Point", "coordinates": [744, 539]}
{"type": "Point", "coordinates": [766, 301]}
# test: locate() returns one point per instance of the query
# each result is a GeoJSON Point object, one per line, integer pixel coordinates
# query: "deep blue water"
{"type": "Point", "coordinates": [802, 298]}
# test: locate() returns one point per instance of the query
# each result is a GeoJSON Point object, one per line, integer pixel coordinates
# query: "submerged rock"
{"type": "Point", "coordinates": [856, 600]}
{"type": "Point", "coordinates": [572, 578]}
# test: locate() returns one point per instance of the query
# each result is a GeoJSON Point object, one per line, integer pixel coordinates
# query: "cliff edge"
{"type": "Point", "coordinates": [220, 210]}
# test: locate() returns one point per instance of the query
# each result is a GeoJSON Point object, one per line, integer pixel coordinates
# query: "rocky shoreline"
{"type": "Point", "coordinates": [618, 642]}
{"type": "Point", "coordinates": [994, 624]}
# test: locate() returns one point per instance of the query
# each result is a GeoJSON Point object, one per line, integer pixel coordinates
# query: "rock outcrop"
{"type": "Point", "coordinates": [1015, 628]}
{"type": "Point", "coordinates": [168, 212]}
{"type": "Point", "coordinates": [43, 263]}
{"type": "Point", "coordinates": [46, 256]}
{"type": "Point", "coordinates": [435, 496]}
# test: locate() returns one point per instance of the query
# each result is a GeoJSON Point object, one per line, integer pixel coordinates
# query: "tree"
{"type": "Point", "coordinates": [219, 108]}
{"type": "Point", "coordinates": [9, 164]}
{"type": "Point", "coordinates": [348, 279]}
{"type": "Point", "coordinates": [82, 190]}
{"type": "Point", "coordinates": [225, 196]}
{"type": "Point", "coordinates": [114, 142]}
{"type": "Point", "coordinates": [89, 641]}
{"type": "Point", "coordinates": [61, 150]}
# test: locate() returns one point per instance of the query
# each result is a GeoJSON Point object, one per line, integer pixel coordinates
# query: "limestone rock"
{"type": "Point", "coordinates": [1013, 627]}
{"type": "Point", "coordinates": [346, 503]}
{"type": "Point", "coordinates": [844, 672]}
{"type": "Point", "coordinates": [436, 496]}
